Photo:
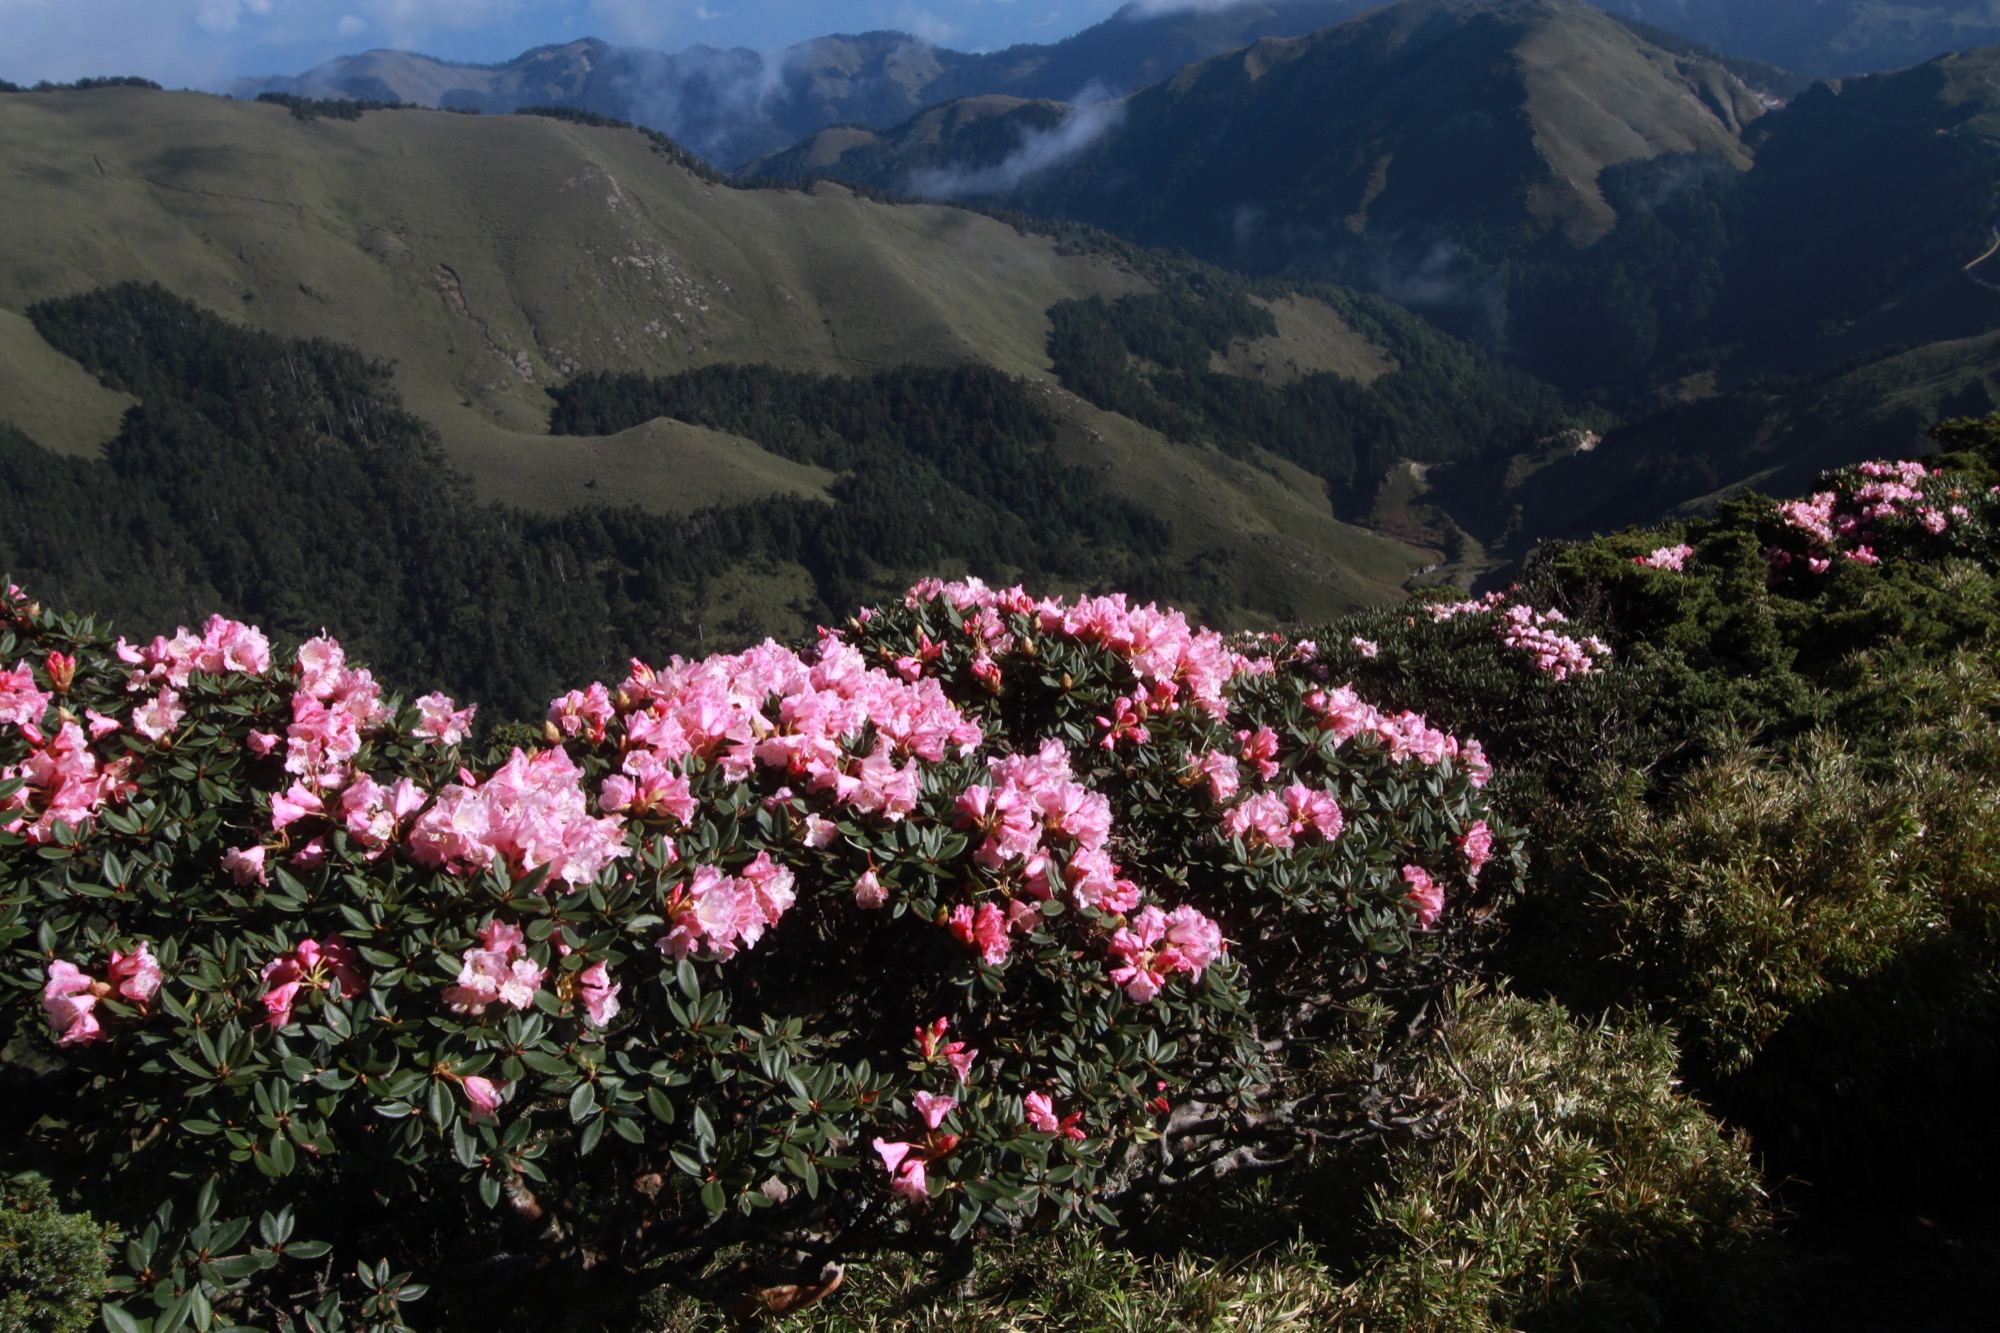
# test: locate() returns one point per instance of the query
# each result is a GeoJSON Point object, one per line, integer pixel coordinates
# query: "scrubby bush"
{"type": "Point", "coordinates": [52, 1264]}
{"type": "Point", "coordinates": [985, 913]}
{"type": "Point", "coordinates": [1574, 1188]}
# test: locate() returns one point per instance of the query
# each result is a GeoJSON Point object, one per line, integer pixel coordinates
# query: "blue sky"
{"type": "Point", "coordinates": [206, 43]}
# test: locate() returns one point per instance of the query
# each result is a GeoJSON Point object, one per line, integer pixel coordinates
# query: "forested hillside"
{"type": "Point", "coordinates": [284, 480]}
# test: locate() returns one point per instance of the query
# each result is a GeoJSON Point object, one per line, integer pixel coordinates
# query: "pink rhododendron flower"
{"type": "Point", "coordinates": [223, 646]}
{"type": "Point", "coordinates": [63, 784]}
{"type": "Point", "coordinates": [484, 1095]}
{"type": "Point", "coordinates": [497, 971]}
{"type": "Point", "coordinates": [136, 975]}
{"type": "Point", "coordinates": [1260, 817]}
{"type": "Point", "coordinates": [62, 670]}
{"type": "Point", "coordinates": [1220, 771]}
{"type": "Point", "coordinates": [1315, 810]}
{"type": "Point", "coordinates": [245, 864]}
{"type": "Point", "coordinates": [291, 806]}
{"type": "Point", "coordinates": [440, 719]}
{"type": "Point", "coordinates": [1260, 751]}
{"type": "Point", "coordinates": [931, 1043]}
{"type": "Point", "coordinates": [1196, 940]}
{"type": "Point", "coordinates": [906, 1169]}
{"type": "Point", "coordinates": [100, 725]}
{"type": "Point", "coordinates": [598, 993]}
{"type": "Point", "coordinates": [933, 1108]}
{"type": "Point", "coordinates": [1155, 946]}
{"type": "Point", "coordinates": [530, 813]}
{"type": "Point", "coordinates": [314, 965]}
{"type": "Point", "coordinates": [1425, 894]}
{"type": "Point", "coordinates": [1666, 557]}
{"type": "Point", "coordinates": [727, 912]}
{"type": "Point", "coordinates": [868, 890]}
{"type": "Point", "coordinates": [21, 702]}
{"type": "Point", "coordinates": [1125, 724]}
{"type": "Point", "coordinates": [984, 929]}
{"type": "Point", "coordinates": [156, 718]}
{"type": "Point", "coordinates": [1366, 647]}
{"type": "Point", "coordinates": [583, 713]}
{"type": "Point", "coordinates": [67, 999]}
{"type": "Point", "coordinates": [1477, 844]}
{"type": "Point", "coordinates": [1040, 1113]}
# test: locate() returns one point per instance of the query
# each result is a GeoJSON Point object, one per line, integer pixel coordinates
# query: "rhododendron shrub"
{"type": "Point", "coordinates": [986, 910]}
{"type": "Point", "coordinates": [1877, 510]}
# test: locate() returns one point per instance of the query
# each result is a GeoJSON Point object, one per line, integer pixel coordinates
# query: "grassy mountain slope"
{"type": "Point", "coordinates": [51, 397]}
{"type": "Point", "coordinates": [1824, 37]}
{"type": "Point", "coordinates": [1491, 118]}
{"type": "Point", "coordinates": [487, 258]}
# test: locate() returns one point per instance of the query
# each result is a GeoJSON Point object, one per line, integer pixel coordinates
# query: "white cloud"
{"type": "Point", "coordinates": [1039, 151]}
{"type": "Point", "coordinates": [351, 25]}
{"type": "Point", "coordinates": [927, 27]}
{"type": "Point", "coordinates": [223, 15]}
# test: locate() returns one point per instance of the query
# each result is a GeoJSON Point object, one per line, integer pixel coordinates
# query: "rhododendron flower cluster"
{"type": "Point", "coordinates": [315, 965]}
{"type": "Point", "coordinates": [440, 719]}
{"type": "Point", "coordinates": [723, 913]}
{"type": "Point", "coordinates": [1870, 507]}
{"type": "Point", "coordinates": [63, 783]}
{"type": "Point", "coordinates": [70, 995]}
{"type": "Point", "coordinates": [530, 813]}
{"type": "Point", "coordinates": [1040, 1113]}
{"type": "Point", "coordinates": [498, 971]}
{"type": "Point", "coordinates": [1174, 660]}
{"type": "Point", "coordinates": [1156, 945]}
{"type": "Point", "coordinates": [1425, 893]}
{"type": "Point", "coordinates": [1666, 557]}
{"type": "Point", "coordinates": [1529, 630]}
{"type": "Point", "coordinates": [223, 646]}
{"type": "Point", "coordinates": [1345, 715]}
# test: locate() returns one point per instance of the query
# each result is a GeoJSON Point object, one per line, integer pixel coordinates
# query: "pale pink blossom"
{"type": "Point", "coordinates": [484, 1095]}
{"type": "Point", "coordinates": [906, 1169]}
{"type": "Point", "coordinates": [68, 998]}
{"type": "Point", "coordinates": [984, 929]}
{"type": "Point", "coordinates": [1672, 558]}
{"type": "Point", "coordinates": [245, 865]}
{"type": "Point", "coordinates": [598, 993]}
{"type": "Point", "coordinates": [313, 965]}
{"type": "Point", "coordinates": [1366, 647]}
{"type": "Point", "coordinates": [156, 718]}
{"type": "Point", "coordinates": [135, 975]}
{"type": "Point", "coordinates": [1220, 771]}
{"type": "Point", "coordinates": [584, 714]}
{"type": "Point", "coordinates": [440, 719]}
{"type": "Point", "coordinates": [1477, 845]}
{"type": "Point", "coordinates": [1425, 895]}
{"type": "Point", "coordinates": [289, 807]}
{"type": "Point", "coordinates": [869, 891]}
{"type": "Point", "coordinates": [21, 701]}
{"type": "Point", "coordinates": [1040, 1113]}
{"type": "Point", "coordinates": [933, 1108]}
{"type": "Point", "coordinates": [496, 971]}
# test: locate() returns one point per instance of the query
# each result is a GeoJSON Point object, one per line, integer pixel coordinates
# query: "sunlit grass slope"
{"type": "Point", "coordinates": [488, 257]}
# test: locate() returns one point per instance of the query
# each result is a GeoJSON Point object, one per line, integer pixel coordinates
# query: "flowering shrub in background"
{"type": "Point", "coordinates": [987, 909]}
{"type": "Point", "coordinates": [1521, 626]}
{"type": "Point", "coordinates": [1879, 509]}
